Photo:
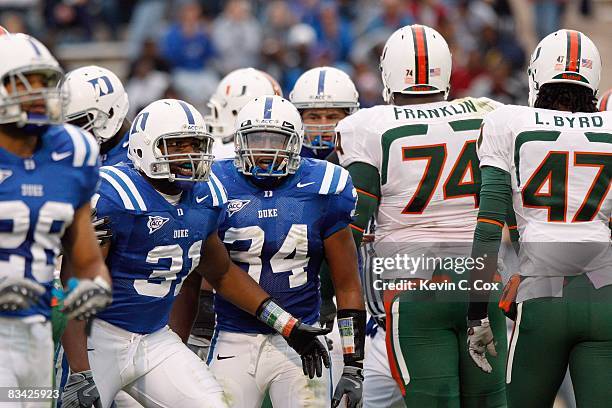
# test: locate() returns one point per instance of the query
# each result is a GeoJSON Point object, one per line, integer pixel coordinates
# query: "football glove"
{"type": "Point", "coordinates": [80, 391]}
{"type": "Point", "coordinates": [101, 228]}
{"type": "Point", "coordinates": [351, 385]}
{"type": "Point", "coordinates": [19, 293]}
{"type": "Point", "coordinates": [303, 339]}
{"type": "Point", "coordinates": [86, 297]}
{"type": "Point", "coordinates": [480, 340]}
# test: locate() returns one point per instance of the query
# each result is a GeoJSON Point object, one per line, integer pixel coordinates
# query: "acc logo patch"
{"type": "Point", "coordinates": [156, 222]}
{"type": "Point", "coordinates": [233, 206]}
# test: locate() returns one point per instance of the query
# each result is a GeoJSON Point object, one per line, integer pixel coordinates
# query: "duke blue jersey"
{"type": "Point", "coordinates": [38, 198]}
{"type": "Point", "coordinates": [277, 236]}
{"type": "Point", "coordinates": [118, 153]}
{"type": "Point", "coordinates": [155, 244]}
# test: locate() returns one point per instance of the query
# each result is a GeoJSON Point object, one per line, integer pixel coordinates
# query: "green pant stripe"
{"type": "Point", "coordinates": [513, 340]}
{"type": "Point", "coordinates": [395, 342]}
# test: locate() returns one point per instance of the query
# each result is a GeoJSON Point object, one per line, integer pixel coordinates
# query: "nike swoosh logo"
{"type": "Point", "coordinates": [224, 357]}
{"type": "Point", "coordinates": [55, 156]}
{"type": "Point", "coordinates": [200, 199]}
{"type": "Point", "coordinates": [125, 144]}
{"type": "Point", "coordinates": [300, 185]}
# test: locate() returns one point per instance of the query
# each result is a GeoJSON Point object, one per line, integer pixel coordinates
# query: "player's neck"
{"type": "Point", "coordinates": [114, 141]}
{"type": "Point", "coordinates": [401, 100]}
{"type": "Point", "coordinates": [22, 145]}
{"type": "Point", "coordinates": [164, 186]}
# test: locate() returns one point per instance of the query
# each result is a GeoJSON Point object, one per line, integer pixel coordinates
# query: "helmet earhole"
{"type": "Point", "coordinates": [111, 112]}
{"type": "Point", "coordinates": [139, 152]}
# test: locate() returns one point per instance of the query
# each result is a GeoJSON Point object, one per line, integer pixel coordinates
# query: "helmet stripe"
{"type": "Point", "coordinates": [190, 118]}
{"type": "Point", "coordinates": [268, 108]}
{"type": "Point", "coordinates": [603, 106]}
{"type": "Point", "coordinates": [321, 84]}
{"type": "Point", "coordinates": [36, 50]}
{"type": "Point", "coordinates": [572, 62]}
{"type": "Point", "coordinates": [421, 60]}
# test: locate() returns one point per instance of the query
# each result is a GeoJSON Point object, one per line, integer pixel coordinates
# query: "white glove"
{"type": "Point", "coordinates": [19, 293]}
{"type": "Point", "coordinates": [480, 340]}
{"type": "Point", "coordinates": [86, 297]}
{"type": "Point", "coordinates": [80, 391]}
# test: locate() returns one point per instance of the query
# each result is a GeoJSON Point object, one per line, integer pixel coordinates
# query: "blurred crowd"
{"type": "Point", "coordinates": [182, 48]}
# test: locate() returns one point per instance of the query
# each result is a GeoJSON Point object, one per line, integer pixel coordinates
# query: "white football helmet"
{"type": "Point", "coordinates": [20, 55]}
{"type": "Point", "coordinates": [234, 91]}
{"type": "Point", "coordinates": [269, 126]}
{"type": "Point", "coordinates": [416, 60]}
{"type": "Point", "coordinates": [564, 56]}
{"type": "Point", "coordinates": [98, 103]}
{"type": "Point", "coordinates": [604, 101]}
{"type": "Point", "coordinates": [159, 123]}
{"type": "Point", "coordinates": [323, 87]}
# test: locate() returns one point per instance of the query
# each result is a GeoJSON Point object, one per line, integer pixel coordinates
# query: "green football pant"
{"type": "Point", "coordinates": [427, 339]}
{"type": "Point", "coordinates": [552, 333]}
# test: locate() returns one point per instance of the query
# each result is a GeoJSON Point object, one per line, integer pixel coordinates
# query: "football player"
{"type": "Point", "coordinates": [414, 164]}
{"type": "Point", "coordinates": [323, 96]}
{"type": "Point", "coordinates": [553, 162]}
{"type": "Point", "coordinates": [233, 92]}
{"type": "Point", "coordinates": [285, 215]}
{"type": "Point", "coordinates": [99, 104]}
{"type": "Point", "coordinates": [164, 217]}
{"type": "Point", "coordinates": [604, 101]}
{"type": "Point", "coordinates": [48, 174]}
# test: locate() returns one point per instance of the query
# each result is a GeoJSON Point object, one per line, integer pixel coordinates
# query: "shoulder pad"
{"type": "Point", "coordinates": [327, 178]}
{"type": "Point", "coordinates": [117, 183]}
{"type": "Point", "coordinates": [73, 141]}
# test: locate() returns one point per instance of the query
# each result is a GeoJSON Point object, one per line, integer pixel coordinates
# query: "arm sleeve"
{"type": "Point", "coordinates": [495, 198]}
{"type": "Point", "coordinates": [366, 180]}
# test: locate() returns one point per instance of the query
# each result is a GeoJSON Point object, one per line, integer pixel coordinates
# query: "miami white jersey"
{"type": "Point", "coordinates": [426, 158]}
{"type": "Point", "coordinates": [560, 164]}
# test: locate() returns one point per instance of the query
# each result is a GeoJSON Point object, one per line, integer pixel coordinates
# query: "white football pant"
{"type": "Point", "coordinates": [156, 369]}
{"type": "Point", "coordinates": [246, 365]}
{"type": "Point", "coordinates": [26, 358]}
{"type": "Point", "coordinates": [379, 388]}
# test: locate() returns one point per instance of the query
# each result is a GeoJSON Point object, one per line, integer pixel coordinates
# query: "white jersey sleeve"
{"type": "Point", "coordinates": [495, 141]}
{"type": "Point", "coordinates": [357, 141]}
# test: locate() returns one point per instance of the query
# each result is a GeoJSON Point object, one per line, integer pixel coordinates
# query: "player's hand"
{"type": "Point", "coordinates": [303, 339]}
{"type": "Point", "coordinates": [80, 391]}
{"type": "Point", "coordinates": [101, 227]}
{"type": "Point", "coordinates": [86, 297]}
{"type": "Point", "coordinates": [19, 293]}
{"type": "Point", "coordinates": [480, 340]}
{"type": "Point", "coordinates": [351, 385]}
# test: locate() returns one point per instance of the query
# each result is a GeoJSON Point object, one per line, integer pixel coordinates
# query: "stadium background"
{"type": "Point", "coordinates": [182, 48]}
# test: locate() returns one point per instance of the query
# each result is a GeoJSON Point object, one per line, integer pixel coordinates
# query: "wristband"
{"type": "Point", "coordinates": [276, 317]}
